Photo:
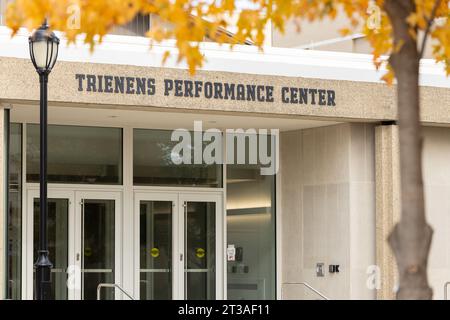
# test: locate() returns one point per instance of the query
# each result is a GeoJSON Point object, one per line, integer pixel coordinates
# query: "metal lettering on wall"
{"type": "Point", "coordinates": [204, 89]}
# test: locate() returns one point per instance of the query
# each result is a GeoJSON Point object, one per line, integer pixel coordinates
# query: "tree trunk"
{"type": "Point", "coordinates": [410, 239]}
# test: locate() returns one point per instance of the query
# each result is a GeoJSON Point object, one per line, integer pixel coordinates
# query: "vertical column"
{"type": "Point", "coordinates": [290, 215]}
{"type": "Point", "coordinates": [130, 256]}
{"type": "Point", "coordinates": [362, 241]}
{"type": "Point", "coordinates": [4, 148]}
{"type": "Point", "coordinates": [387, 182]}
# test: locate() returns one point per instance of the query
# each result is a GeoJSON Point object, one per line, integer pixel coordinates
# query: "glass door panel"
{"type": "Point", "coordinates": [155, 250]}
{"type": "Point", "coordinates": [98, 247]}
{"type": "Point", "coordinates": [200, 250]}
{"type": "Point", "coordinates": [58, 243]}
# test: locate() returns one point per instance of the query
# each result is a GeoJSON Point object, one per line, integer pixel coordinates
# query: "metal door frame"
{"type": "Point", "coordinates": [28, 238]}
{"type": "Point", "coordinates": [74, 194]}
{"type": "Point", "coordinates": [178, 198]}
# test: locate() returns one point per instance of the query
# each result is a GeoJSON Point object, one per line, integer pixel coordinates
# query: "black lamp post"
{"type": "Point", "coordinates": [43, 51]}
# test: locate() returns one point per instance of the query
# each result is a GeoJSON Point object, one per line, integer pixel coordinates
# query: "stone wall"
{"type": "Point", "coordinates": [328, 210]}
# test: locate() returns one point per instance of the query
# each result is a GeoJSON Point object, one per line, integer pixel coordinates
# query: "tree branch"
{"type": "Point", "coordinates": [428, 29]}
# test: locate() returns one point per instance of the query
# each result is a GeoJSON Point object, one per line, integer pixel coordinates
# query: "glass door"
{"type": "Point", "coordinates": [180, 246]}
{"type": "Point", "coordinates": [60, 241]}
{"type": "Point", "coordinates": [98, 247]}
{"type": "Point", "coordinates": [199, 250]}
{"type": "Point", "coordinates": [156, 246]}
{"type": "Point", "coordinates": [84, 243]}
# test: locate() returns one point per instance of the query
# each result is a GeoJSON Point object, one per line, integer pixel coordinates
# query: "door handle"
{"type": "Point", "coordinates": [78, 257]}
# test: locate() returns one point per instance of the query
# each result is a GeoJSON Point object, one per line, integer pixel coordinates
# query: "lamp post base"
{"type": "Point", "coordinates": [43, 268]}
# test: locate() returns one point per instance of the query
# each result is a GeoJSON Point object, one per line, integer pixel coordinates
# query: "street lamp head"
{"type": "Point", "coordinates": [43, 49]}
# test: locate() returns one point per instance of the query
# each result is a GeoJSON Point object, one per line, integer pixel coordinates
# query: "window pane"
{"type": "Point", "coordinates": [77, 154]}
{"type": "Point", "coordinates": [200, 251]}
{"type": "Point", "coordinates": [136, 27]}
{"type": "Point", "coordinates": [98, 264]}
{"type": "Point", "coordinates": [155, 250]}
{"type": "Point", "coordinates": [58, 243]}
{"type": "Point", "coordinates": [251, 230]}
{"type": "Point", "coordinates": [14, 218]}
{"type": "Point", "coordinates": [153, 163]}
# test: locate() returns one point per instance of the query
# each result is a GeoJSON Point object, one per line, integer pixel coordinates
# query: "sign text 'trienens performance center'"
{"type": "Point", "coordinates": [204, 89]}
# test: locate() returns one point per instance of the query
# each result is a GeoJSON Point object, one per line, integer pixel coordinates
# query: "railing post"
{"type": "Point", "coordinates": [307, 286]}
{"type": "Point", "coordinates": [111, 285]}
{"type": "Point", "coordinates": [446, 290]}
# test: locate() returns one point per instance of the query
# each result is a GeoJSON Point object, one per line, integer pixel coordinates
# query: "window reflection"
{"type": "Point", "coordinates": [76, 154]}
{"type": "Point", "coordinates": [153, 163]}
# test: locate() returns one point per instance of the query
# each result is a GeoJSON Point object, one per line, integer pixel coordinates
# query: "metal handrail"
{"type": "Point", "coordinates": [111, 285]}
{"type": "Point", "coordinates": [307, 286]}
{"type": "Point", "coordinates": [446, 290]}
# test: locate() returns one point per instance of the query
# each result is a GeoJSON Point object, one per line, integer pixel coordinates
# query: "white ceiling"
{"type": "Point", "coordinates": [157, 119]}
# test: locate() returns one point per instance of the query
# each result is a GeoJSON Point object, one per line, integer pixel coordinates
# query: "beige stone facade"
{"type": "Point", "coordinates": [387, 204]}
{"type": "Point", "coordinates": [328, 210]}
{"type": "Point", "coordinates": [355, 101]}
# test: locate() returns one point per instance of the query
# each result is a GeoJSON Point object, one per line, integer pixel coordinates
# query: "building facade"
{"type": "Point", "coordinates": [123, 210]}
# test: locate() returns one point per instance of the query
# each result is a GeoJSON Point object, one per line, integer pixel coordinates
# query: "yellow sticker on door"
{"type": "Point", "coordinates": [87, 252]}
{"type": "Point", "coordinates": [154, 252]}
{"type": "Point", "coordinates": [200, 252]}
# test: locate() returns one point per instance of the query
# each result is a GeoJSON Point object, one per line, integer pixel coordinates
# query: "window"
{"type": "Point", "coordinates": [89, 155]}
{"type": "Point", "coordinates": [251, 229]}
{"type": "Point", "coordinates": [14, 217]}
{"type": "Point", "coordinates": [153, 163]}
{"type": "Point", "coordinates": [3, 4]}
{"type": "Point", "coordinates": [137, 27]}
